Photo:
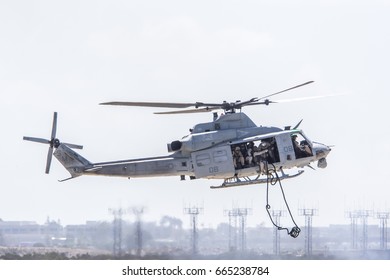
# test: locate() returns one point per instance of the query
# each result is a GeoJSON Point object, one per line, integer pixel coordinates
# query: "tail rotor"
{"type": "Point", "coordinates": [53, 143]}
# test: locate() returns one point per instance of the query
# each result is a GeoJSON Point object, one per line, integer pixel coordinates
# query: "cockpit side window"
{"type": "Point", "coordinates": [302, 146]}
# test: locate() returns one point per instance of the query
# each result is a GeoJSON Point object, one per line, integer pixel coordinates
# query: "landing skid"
{"type": "Point", "coordinates": [237, 182]}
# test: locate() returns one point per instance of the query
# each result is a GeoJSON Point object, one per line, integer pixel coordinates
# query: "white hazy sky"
{"type": "Point", "coordinates": [68, 56]}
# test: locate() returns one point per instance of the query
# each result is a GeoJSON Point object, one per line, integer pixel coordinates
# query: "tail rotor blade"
{"type": "Point", "coordinates": [38, 140]}
{"type": "Point", "coordinates": [54, 128]}
{"type": "Point", "coordinates": [53, 143]}
{"type": "Point", "coordinates": [73, 146]}
{"type": "Point", "coordinates": [49, 157]}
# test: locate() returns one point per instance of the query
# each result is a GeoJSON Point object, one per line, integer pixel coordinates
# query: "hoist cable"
{"type": "Point", "coordinates": [273, 180]}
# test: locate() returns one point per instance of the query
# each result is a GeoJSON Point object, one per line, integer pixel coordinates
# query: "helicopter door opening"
{"type": "Point", "coordinates": [214, 163]}
{"type": "Point", "coordinates": [250, 154]}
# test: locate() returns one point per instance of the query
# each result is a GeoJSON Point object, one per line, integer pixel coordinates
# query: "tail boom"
{"type": "Point", "coordinates": [72, 161]}
{"type": "Point", "coordinates": [147, 167]}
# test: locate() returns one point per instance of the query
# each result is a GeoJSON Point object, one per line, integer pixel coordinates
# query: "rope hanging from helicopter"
{"type": "Point", "coordinates": [273, 180]}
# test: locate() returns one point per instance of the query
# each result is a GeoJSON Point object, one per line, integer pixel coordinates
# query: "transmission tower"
{"type": "Point", "coordinates": [242, 213]}
{"type": "Point", "coordinates": [237, 215]}
{"type": "Point", "coordinates": [276, 214]}
{"type": "Point", "coordinates": [232, 229]}
{"type": "Point", "coordinates": [353, 216]}
{"type": "Point", "coordinates": [364, 215]}
{"type": "Point", "coordinates": [194, 212]}
{"type": "Point", "coordinates": [308, 213]}
{"type": "Point", "coordinates": [117, 229]}
{"type": "Point", "coordinates": [138, 212]}
{"type": "Point", "coordinates": [383, 217]}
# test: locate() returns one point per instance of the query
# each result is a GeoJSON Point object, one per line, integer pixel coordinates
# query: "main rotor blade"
{"type": "Point", "coordinates": [203, 110]}
{"type": "Point", "coordinates": [38, 140]}
{"type": "Point", "coordinates": [301, 85]}
{"type": "Point", "coordinates": [48, 161]}
{"type": "Point", "coordinates": [230, 107]}
{"type": "Point", "coordinates": [54, 128]}
{"type": "Point", "coordinates": [239, 104]}
{"type": "Point", "coordinates": [151, 104]}
{"type": "Point", "coordinates": [304, 98]}
{"type": "Point", "coordinates": [265, 102]}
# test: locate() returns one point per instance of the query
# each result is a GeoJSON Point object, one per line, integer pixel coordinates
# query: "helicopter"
{"type": "Point", "coordinates": [231, 148]}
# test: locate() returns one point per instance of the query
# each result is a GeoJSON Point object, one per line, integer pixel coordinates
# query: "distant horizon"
{"type": "Point", "coordinates": [185, 227]}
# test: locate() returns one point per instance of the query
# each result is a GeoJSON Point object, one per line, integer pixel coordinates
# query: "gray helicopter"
{"type": "Point", "coordinates": [231, 148]}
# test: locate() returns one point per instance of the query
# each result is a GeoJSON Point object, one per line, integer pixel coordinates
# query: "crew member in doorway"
{"type": "Point", "coordinates": [238, 158]}
{"type": "Point", "coordinates": [249, 156]}
{"type": "Point", "coordinates": [261, 155]}
{"type": "Point", "coordinates": [297, 148]}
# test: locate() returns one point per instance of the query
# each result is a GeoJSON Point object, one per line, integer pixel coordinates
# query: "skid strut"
{"type": "Point", "coordinates": [243, 181]}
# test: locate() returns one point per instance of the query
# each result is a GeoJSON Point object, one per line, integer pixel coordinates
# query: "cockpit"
{"type": "Point", "coordinates": [302, 145]}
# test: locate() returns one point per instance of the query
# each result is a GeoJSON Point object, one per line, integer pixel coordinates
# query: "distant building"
{"type": "Point", "coordinates": [20, 233]}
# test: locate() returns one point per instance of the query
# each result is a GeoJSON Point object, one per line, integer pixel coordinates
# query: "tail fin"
{"type": "Point", "coordinates": [72, 161]}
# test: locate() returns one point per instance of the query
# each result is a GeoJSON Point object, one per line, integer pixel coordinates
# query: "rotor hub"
{"type": "Point", "coordinates": [56, 143]}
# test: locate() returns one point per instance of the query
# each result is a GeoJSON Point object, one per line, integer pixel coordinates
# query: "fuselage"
{"type": "Point", "coordinates": [208, 152]}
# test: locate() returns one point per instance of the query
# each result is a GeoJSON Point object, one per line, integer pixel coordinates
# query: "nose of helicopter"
{"type": "Point", "coordinates": [321, 151]}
